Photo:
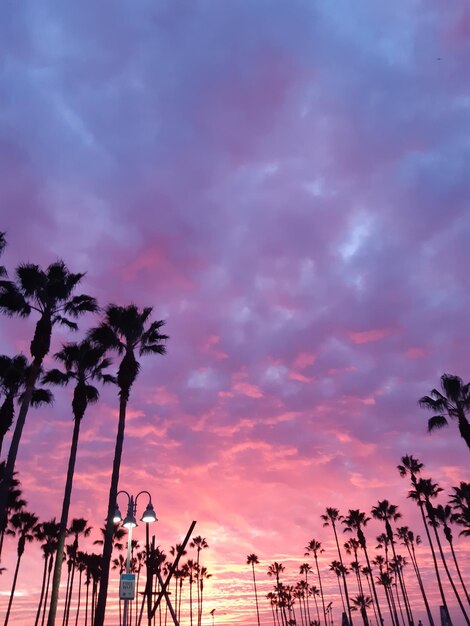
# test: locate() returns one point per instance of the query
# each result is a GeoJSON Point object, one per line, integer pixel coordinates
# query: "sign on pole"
{"type": "Point", "coordinates": [127, 587]}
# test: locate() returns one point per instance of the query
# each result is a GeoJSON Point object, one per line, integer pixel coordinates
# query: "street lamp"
{"type": "Point", "coordinates": [130, 522]}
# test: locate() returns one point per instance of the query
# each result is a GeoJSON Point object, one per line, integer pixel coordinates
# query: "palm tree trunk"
{"type": "Point", "coordinates": [49, 573]}
{"type": "Point", "coordinates": [63, 522]}
{"type": "Point", "coordinates": [321, 589]}
{"type": "Point", "coordinates": [343, 574]}
{"type": "Point", "coordinates": [12, 593]}
{"type": "Point", "coordinates": [439, 583]}
{"type": "Point", "coordinates": [108, 538]}
{"type": "Point", "coordinates": [373, 586]}
{"type": "Point", "coordinates": [256, 592]}
{"type": "Point", "coordinates": [15, 441]}
{"type": "Point", "coordinates": [458, 570]}
{"type": "Point", "coordinates": [79, 598]}
{"type": "Point", "coordinates": [411, 552]}
{"type": "Point", "coordinates": [43, 588]}
{"type": "Point", "coordinates": [454, 588]}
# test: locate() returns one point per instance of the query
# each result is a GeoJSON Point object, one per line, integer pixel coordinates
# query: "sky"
{"type": "Point", "coordinates": [287, 184]}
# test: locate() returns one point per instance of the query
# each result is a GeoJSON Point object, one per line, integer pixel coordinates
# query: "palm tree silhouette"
{"type": "Point", "coordinates": [15, 502]}
{"type": "Point", "coordinates": [442, 517]}
{"type": "Point", "coordinates": [50, 294]}
{"type": "Point", "coordinates": [23, 525]}
{"type": "Point", "coordinates": [460, 502]}
{"type": "Point", "coordinates": [386, 512]}
{"type": "Point", "coordinates": [200, 543]}
{"type": "Point", "coordinates": [356, 520]}
{"type": "Point", "coordinates": [48, 532]}
{"type": "Point", "coordinates": [331, 518]}
{"type": "Point", "coordinates": [362, 603]}
{"type": "Point", "coordinates": [252, 560]}
{"type": "Point", "coordinates": [14, 372]}
{"type": "Point", "coordinates": [78, 528]}
{"type": "Point", "coordinates": [426, 490]}
{"type": "Point", "coordinates": [412, 467]}
{"type": "Point", "coordinates": [82, 363]}
{"type": "Point", "coordinates": [305, 569]}
{"type": "Point", "coordinates": [453, 403]}
{"type": "Point", "coordinates": [275, 569]}
{"type": "Point", "coordinates": [125, 330]}
{"type": "Point", "coordinates": [408, 540]}
{"type": "Point", "coordinates": [314, 547]}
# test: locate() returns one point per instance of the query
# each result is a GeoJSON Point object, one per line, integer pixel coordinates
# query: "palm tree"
{"type": "Point", "coordinates": [426, 490]}
{"type": "Point", "coordinates": [305, 569]}
{"type": "Point", "coordinates": [203, 575]}
{"type": "Point", "coordinates": [125, 330]}
{"type": "Point", "coordinates": [453, 402]}
{"type": "Point", "coordinates": [442, 516]}
{"type": "Point", "coordinates": [331, 518]}
{"type": "Point", "coordinates": [82, 363]}
{"type": "Point", "coordinates": [362, 603]}
{"type": "Point", "coordinates": [314, 547]}
{"type": "Point", "coordinates": [252, 560]}
{"type": "Point", "coordinates": [356, 520]}
{"type": "Point", "coordinates": [412, 467]}
{"type": "Point", "coordinates": [50, 294]}
{"type": "Point", "coordinates": [275, 569]}
{"type": "Point", "coordinates": [408, 540]}
{"type": "Point", "coordinates": [386, 512]}
{"type": "Point", "coordinates": [460, 502]}
{"type": "Point", "coordinates": [14, 373]}
{"type": "Point", "coordinates": [200, 543]}
{"type": "Point", "coordinates": [48, 532]}
{"type": "Point", "coordinates": [24, 525]}
{"type": "Point", "coordinates": [15, 502]}
{"type": "Point", "coordinates": [78, 528]}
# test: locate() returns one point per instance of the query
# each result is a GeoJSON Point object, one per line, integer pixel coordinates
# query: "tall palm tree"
{"type": "Point", "coordinates": [306, 569]}
{"type": "Point", "coordinates": [443, 516]}
{"type": "Point", "coordinates": [252, 560]}
{"type": "Point", "coordinates": [78, 528]}
{"type": "Point", "coordinates": [82, 363]}
{"type": "Point", "coordinates": [48, 532]}
{"type": "Point", "coordinates": [314, 547]}
{"type": "Point", "coordinates": [200, 543]}
{"type": "Point", "coordinates": [356, 520]}
{"type": "Point", "coordinates": [50, 294]}
{"type": "Point", "coordinates": [387, 513]}
{"type": "Point", "coordinates": [203, 575]}
{"type": "Point", "coordinates": [14, 372]}
{"type": "Point", "coordinates": [331, 518]}
{"type": "Point", "coordinates": [412, 467]}
{"type": "Point", "coordinates": [126, 330]}
{"type": "Point", "coordinates": [408, 540]}
{"type": "Point", "coordinates": [275, 570]}
{"type": "Point", "coordinates": [453, 403]}
{"type": "Point", "coordinates": [15, 502]}
{"type": "Point", "coordinates": [426, 490]}
{"type": "Point", "coordinates": [23, 525]}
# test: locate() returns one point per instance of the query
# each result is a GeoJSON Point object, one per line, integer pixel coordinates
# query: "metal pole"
{"type": "Point", "coordinates": [128, 567]}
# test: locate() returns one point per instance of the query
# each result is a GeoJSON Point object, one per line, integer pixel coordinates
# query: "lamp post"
{"type": "Point", "coordinates": [129, 523]}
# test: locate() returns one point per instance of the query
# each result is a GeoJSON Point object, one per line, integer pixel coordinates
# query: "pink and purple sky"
{"type": "Point", "coordinates": [287, 184]}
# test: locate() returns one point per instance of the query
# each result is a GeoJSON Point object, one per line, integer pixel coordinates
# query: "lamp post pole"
{"type": "Point", "coordinates": [129, 523]}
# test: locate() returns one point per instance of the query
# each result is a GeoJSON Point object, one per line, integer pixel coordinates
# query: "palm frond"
{"type": "Point", "coordinates": [56, 377]}
{"type": "Point", "coordinates": [63, 321]}
{"type": "Point", "coordinates": [436, 422]}
{"type": "Point", "coordinates": [81, 304]}
{"type": "Point", "coordinates": [42, 396]}
{"type": "Point", "coordinates": [31, 279]}
{"type": "Point", "coordinates": [12, 301]}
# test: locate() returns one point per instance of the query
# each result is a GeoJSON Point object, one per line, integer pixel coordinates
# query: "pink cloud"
{"type": "Point", "coordinates": [368, 336]}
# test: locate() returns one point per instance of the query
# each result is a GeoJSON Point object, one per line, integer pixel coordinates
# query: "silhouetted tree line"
{"type": "Point", "coordinates": [304, 603]}
{"type": "Point", "coordinates": [51, 296]}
